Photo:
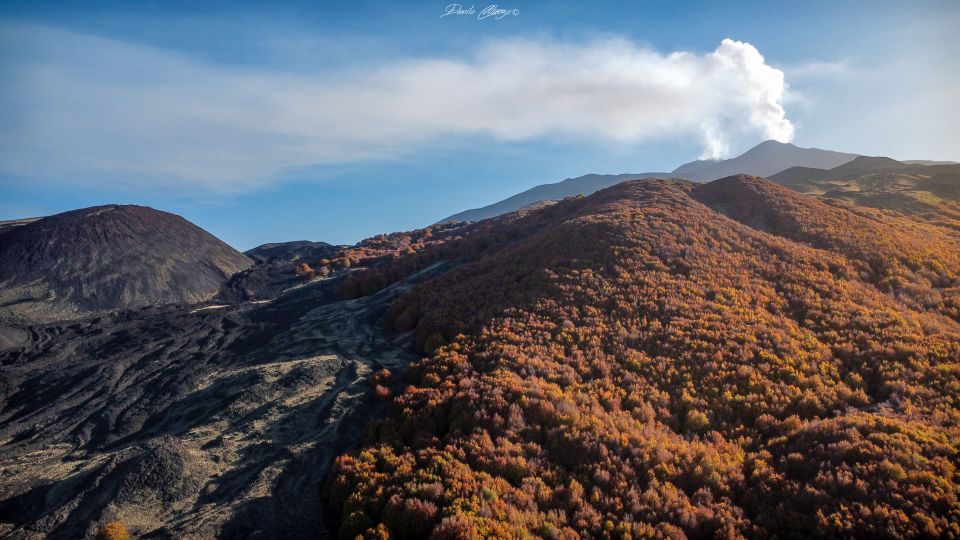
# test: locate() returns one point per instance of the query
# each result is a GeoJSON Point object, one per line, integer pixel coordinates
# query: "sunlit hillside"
{"type": "Point", "coordinates": [658, 358]}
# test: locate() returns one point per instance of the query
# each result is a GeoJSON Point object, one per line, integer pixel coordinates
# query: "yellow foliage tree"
{"type": "Point", "coordinates": [113, 531]}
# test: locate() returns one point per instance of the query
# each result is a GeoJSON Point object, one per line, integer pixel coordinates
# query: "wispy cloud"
{"type": "Point", "coordinates": [88, 109]}
{"type": "Point", "coordinates": [837, 68]}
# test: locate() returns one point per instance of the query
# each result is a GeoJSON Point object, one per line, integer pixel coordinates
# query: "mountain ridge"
{"type": "Point", "coordinates": [929, 192]}
{"type": "Point", "coordinates": [764, 159]}
{"type": "Point", "coordinates": [581, 185]}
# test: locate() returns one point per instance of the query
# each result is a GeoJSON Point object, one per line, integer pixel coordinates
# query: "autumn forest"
{"type": "Point", "coordinates": [666, 359]}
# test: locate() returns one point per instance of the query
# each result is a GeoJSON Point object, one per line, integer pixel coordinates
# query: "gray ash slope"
{"type": "Point", "coordinates": [108, 257]}
{"type": "Point", "coordinates": [211, 421]}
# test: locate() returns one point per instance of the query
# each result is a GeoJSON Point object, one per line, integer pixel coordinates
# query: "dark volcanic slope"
{"type": "Point", "coordinates": [290, 251]}
{"type": "Point", "coordinates": [13, 223]}
{"type": "Point", "coordinates": [274, 269]}
{"type": "Point", "coordinates": [202, 422]}
{"type": "Point", "coordinates": [109, 257]}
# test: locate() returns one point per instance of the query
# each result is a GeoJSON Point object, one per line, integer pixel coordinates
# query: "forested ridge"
{"type": "Point", "coordinates": [662, 359]}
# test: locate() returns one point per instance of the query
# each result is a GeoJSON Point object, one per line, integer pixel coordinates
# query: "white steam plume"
{"type": "Point", "coordinates": [88, 108]}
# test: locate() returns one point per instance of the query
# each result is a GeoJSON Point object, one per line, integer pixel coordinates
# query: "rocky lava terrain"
{"type": "Point", "coordinates": [217, 420]}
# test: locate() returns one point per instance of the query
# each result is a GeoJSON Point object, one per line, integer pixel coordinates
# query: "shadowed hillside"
{"type": "Point", "coordinates": [215, 421]}
{"type": "Point", "coordinates": [108, 257]}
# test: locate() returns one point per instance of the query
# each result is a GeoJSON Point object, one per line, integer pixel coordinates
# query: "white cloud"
{"type": "Point", "coordinates": [86, 109]}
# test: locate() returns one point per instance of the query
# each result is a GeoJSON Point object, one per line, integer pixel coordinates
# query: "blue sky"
{"type": "Point", "coordinates": [335, 121]}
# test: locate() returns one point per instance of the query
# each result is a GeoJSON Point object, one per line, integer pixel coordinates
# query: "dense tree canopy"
{"type": "Point", "coordinates": [665, 360]}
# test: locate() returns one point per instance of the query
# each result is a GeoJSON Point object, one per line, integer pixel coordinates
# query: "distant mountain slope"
{"type": "Point", "coordinates": [765, 159]}
{"type": "Point", "coordinates": [868, 164]}
{"type": "Point", "coordinates": [797, 175]}
{"type": "Point", "coordinates": [109, 257]}
{"type": "Point", "coordinates": [762, 160]}
{"type": "Point", "coordinates": [928, 162]}
{"type": "Point", "coordinates": [931, 192]}
{"type": "Point", "coordinates": [891, 252]}
{"type": "Point", "coordinates": [582, 185]}
{"type": "Point", "coordinates": [859, 166]}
